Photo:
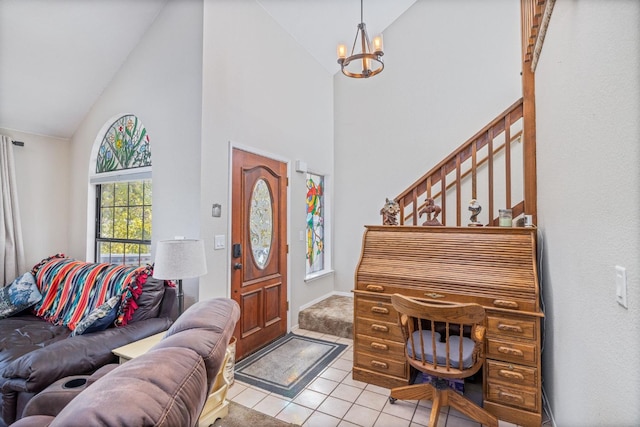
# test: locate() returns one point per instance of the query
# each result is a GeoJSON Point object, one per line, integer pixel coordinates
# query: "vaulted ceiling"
{"type": "Point", "coordinates": [57, 56]}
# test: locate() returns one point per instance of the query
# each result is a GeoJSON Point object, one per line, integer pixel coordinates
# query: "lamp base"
{"type": "Point", "coordinates": [180, 298]}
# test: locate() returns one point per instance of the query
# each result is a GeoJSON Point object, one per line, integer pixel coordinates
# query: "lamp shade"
{"type": "Point", "coordinates": [179, 259]}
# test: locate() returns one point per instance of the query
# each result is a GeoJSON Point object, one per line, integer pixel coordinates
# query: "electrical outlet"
{"type": "Point", "coordinates": [621, 286]}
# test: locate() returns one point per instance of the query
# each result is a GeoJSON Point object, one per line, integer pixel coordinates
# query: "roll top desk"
{"type": "Point", "coordinates": [491, 266]}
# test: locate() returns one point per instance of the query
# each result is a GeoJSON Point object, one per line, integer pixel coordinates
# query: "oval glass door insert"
{"type": "Point", "coordinates": [261, 223]}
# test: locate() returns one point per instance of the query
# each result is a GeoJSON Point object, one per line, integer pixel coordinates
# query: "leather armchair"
{"type": "Point", "coordinates": [167, 386]}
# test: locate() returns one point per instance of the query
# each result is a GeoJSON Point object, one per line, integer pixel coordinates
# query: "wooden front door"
{"type": "Point", "coordinates": [259, 249]}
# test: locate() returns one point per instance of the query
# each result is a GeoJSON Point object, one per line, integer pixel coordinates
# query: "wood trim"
{"type": "Point", "coordinates": [529, 147]}
{"type": "Point", "coordinates": [542, 32]}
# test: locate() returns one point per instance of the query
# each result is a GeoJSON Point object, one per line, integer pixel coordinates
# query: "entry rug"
{"type": "Point", "coordinates": [288, 364]}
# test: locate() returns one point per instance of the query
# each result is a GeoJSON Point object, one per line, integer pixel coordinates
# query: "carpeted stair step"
{"type": "Point", "coordinates": [332, 315]}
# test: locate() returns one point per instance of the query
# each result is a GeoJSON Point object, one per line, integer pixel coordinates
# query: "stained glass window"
{"type": "Point", "coordinates": [124, 146]}
{"type": "Point", "coordinates": [315, 223]}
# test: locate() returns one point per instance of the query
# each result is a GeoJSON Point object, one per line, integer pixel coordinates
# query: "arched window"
{"type": "Point", "coordinates": [123, 193]}
{"type": "Point", "coordinates": [124, 146]}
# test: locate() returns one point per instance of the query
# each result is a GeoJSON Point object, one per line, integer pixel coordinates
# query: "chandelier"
{"type": "Point", "coordinates": [368, 62]}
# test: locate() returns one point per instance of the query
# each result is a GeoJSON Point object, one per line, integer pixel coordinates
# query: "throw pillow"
{"type": "Point", "coordinates": [99, 319]}
{"type": "Point", "coordinates": [22, 293]}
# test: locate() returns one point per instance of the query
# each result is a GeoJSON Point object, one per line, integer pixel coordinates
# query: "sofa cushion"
{"type": "Point", "coordinates": [37, 365]}
{"type": "Point", "coordinates": [21, 294]}
{"type": "Point", "coordinates": [134, 394]}
{"type": "Point", "coordinates": [99, 319]}
{"type": "Point", "coordinates": [23, 333]}
{"type": "Point", "coordinates": [150, 300]}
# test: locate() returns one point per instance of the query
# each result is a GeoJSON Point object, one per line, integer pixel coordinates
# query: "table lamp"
{"type": "Point", "coordinates": [177, 260]}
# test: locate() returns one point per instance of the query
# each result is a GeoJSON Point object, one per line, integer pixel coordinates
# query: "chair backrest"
{"type": "Point", "coordinates": [445, 340]}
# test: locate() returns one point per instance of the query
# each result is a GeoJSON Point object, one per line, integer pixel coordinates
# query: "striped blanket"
{"type": "Point", "coordinates": [72, 289]}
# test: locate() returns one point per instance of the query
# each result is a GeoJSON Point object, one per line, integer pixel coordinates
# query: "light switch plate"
{"type": "Point", "coordinates": [621, 286]}
{"type": "Point", "coordinates": [219, 241]}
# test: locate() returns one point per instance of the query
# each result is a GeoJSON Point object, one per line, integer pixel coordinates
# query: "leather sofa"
{"type": "Point", "coordinates": [167, 386]}
{"type": "Point", "coordinates": [35, 353]}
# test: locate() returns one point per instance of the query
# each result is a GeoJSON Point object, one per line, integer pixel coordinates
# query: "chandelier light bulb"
{"type": "Point", "coordinates": [342, 51]}
{"type": "Point", "coordinates": [377, 44]}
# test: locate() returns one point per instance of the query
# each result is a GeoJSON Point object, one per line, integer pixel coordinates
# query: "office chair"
{"type": "Point", "coordinates": [444, 340]}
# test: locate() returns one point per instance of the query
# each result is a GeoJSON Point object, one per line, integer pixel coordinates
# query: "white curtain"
{"type": "Point", "coordinates": [12, 262]}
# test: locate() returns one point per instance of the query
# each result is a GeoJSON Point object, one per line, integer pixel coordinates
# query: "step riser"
{"type": "Point", "coordinates": [333, 315]}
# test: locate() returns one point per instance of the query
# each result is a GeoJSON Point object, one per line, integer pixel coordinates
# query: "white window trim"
{"type": "Point", "coordinates": [318, 275]}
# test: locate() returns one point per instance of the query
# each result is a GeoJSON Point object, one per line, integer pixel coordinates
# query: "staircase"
{"type": "Point", "coordinates": [488, 168]}
{"type": "Point", "coordinates": [495, 167]}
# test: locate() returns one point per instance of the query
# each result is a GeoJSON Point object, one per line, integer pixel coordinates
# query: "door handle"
{"type": "Point", "coordinates": [237, 266]}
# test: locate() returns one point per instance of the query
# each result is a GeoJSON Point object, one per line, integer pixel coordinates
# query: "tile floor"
{"type": "Point", "coordinates": [334, 399]}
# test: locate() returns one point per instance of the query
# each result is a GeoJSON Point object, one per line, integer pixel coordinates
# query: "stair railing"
{"type": "Point", "coordinates": [487, 168]}
{"type": "Point", "coordinates": [535, 20]}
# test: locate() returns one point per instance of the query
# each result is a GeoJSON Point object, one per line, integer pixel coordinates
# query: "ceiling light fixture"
{"type": "Point", "coordinates": [370, 54]}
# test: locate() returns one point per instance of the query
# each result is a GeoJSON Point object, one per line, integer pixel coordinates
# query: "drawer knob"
{"type": "Point", "coordinates": [375, 288]}
{"type": "Point", "coordinates": [509, 328]}
{"type": "Point", "coordinates": [380, 310]}
{"type": "Point", "coordinates": [434, 295]}
{"type": "Point", "coordinates": [379, 365]}
{"type": "Point", "coordinates": [505, 303]}
{"type": "Point", "coordinates": [511, 375]}
{"type": "Point", "coordinates": [510, 351]}
{"type": "Point", "coordinates": [379, 346]}
{"type": "Point", "coordinates": [379, 328]}
{"type": "Point", "coordinates": [510, 397]}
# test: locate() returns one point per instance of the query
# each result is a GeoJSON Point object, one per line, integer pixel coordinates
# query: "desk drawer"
{"type": "Point", "coordinates": [510, 373]}
{"type": "Point", "coordinates": [522, 397]}
{"type": "Point", "coordinates": [511, 326]}
{"type": "Point", "coordinates": [387, 349]}
{"type": "Point", "coordinates": [380, 364]}
{"type": "Point", "coordinates": [487, 298]}
{"type": "Point", "coordinates": [376, 308]}
{"type": "Point", "coordinates": [518, 352]}
{"type": "Point", "coordinates": [379, 329]}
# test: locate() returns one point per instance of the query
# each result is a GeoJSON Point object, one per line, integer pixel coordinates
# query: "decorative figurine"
{"type": "Point", "coordinates": [389, 212]}
{"type": "Point", "coordinates": [431, 208]}
{"type": "Point", "coordinates": [475, 209]}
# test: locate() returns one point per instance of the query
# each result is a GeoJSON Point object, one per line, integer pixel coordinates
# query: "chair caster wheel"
{"type": "Point", "coordinates": [392, 400]}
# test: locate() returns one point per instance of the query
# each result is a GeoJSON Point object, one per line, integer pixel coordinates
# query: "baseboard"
{"type": "Point", "coordinates": [546, 408]}
{"type": "Point", "coordinates": [324, 297]}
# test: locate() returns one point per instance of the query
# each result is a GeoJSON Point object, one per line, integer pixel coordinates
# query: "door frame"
{"type": "Point", "coordinates": [263, 153]}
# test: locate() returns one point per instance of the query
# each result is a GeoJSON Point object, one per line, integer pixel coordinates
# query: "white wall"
{"type": "Point", "coordinates": [450, 68]}
{"type": "Point", "coordinates": [262, 91]}
{"type": "Point", "coordinates": [42, 175]}
{"type": "Point", "coordinates": [588, 132]}
{"type": "Point", "coordinates": [160, 83]}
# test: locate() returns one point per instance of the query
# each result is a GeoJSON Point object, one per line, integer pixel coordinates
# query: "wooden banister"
{"type": "Point", "coordinates": [535, 19]}
{"type": "Point", "coordinates": [473, 168]}
{"type": "Point", "coordinates": [470, 164]}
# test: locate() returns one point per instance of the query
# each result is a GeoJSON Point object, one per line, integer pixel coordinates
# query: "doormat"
{"type": "Point", "coordinates": [288, 364]}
